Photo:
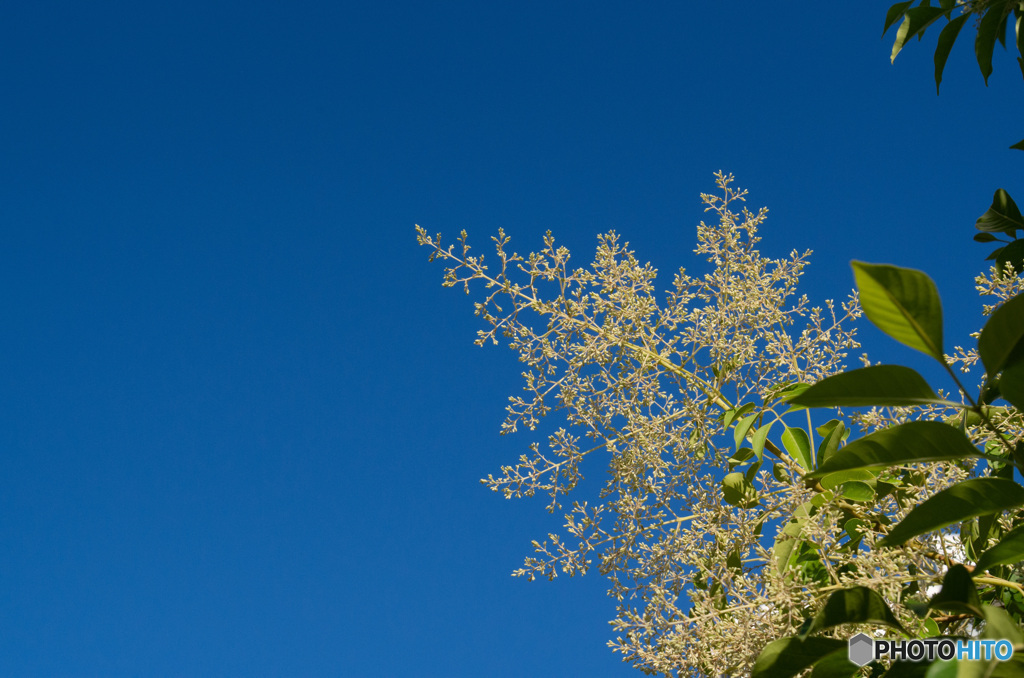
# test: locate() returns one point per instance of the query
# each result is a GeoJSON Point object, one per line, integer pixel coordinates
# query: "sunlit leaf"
{"type": "Point", "coordinates": [742, 426]}
{"type": "Point", "coordinates": [903, 303]}
{"type": "Point", "coordinates": [915, 21]}
{"type": "Point", "coordinates": [759, 439]}
{"type": "Point", "coordinates": [737, 491]}
{"type": "Point", "coordinates": [836, 479]}
{"type": "Point", "coordinates": [798, 445]}
{"type": "Point", "coordinates": [856, 490]}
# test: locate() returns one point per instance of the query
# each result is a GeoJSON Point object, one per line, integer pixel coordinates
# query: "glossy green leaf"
{"type": "Point", "coordinates": [985, 42]}
{"type": "Point", "coordinates": [857, 605]}
{"type": "Point", "coordinates": [915, 21]}
{"type": "Point", "coordinates": [787, 657]}
{"type": "Point", "coordinates": [1002, 217]}
{"type": "Point", "coordinates": [984, 237]}
{"type": "Point", "coordinates": [903, 303]}
{"type": "Point", "coordinates": [974, 497]}
{"type": "Point", "coordinates": [1003, 332]}
{"type": "Point", "coordinates": [875, 386]}
{"type": "Point", "coordinates": [1010, 549]}
{"type": "Point", "coordinates": [913, 442]}
{"type": "Point", "coordinates": [798, 445]}
{"type": "Point", "coordinates": [946, 39]}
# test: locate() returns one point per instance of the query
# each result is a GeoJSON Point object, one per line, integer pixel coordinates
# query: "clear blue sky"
{"type": "Point", "coordinates": [242, 424]}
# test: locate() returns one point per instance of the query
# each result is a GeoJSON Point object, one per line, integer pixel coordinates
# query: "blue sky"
{"type": "Point", "coordinates": [241, 423]}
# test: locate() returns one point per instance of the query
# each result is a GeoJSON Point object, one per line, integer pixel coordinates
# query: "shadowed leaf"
{"type": "Point", "coordinates": [878, 385]}
{"type": "Point", "coordinates": [915, 441]}
{"type": "Point", "coordinates": [787, 657]}
{"type": "Point", "coordinates": [974, 497]}
{"type": "Point", "coordinates": [1001, 335]}
{"type": "Point", "coordinates": [857, 605]}
{"type": "Point", "coordinates": [1002, 217]}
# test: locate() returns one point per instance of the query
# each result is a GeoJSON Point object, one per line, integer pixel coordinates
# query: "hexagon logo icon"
{"type": "Point", "coordinates": [862, 649]}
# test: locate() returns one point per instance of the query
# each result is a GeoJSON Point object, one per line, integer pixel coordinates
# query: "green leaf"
{"type": "Point", "coordinates": [833, 480]}
{"type": "Point", "coordinates": [798, 445]}
{"type": "Point", "coordinates": [894, 13]}
{"type": "Point", "coordinates": [789, 537]}
{"type": "Point", "coordinates": [857, 605]}
{"type": "Point", "coordinates": [1020, 144]}
{"type": "Point", "coordinates": [1012, 254]}
{"type": "Point", "coordinates": [974, 497]}
{"type": "Point", "coordinates": [999, 624]}
{"type": "Point", "coordinates": [835, 665]}
{"type": "Point", "coordinates": [985, 42]}
{"type": "Point", "coordinates": [1011, 384]}
{"type": "Point", "coordinates": [915, 21]}
{"type": "Point", "coordinates": [946, 39]}
{"type": "Point", "coordinates": [737, 491]}
{"type": "Point", "coordinates": [941, 669]}
{"type": "Point", "coordinates": [1010, 549]}
{"type": "Point", "coordinates": [915, 441]}
{"type": "Point", "coordinates": [878, 385]}
{"type": "Point", "coordinates": [831, 437]}
{"type": "Point", "coordinates": [742, 426]}
{"type": "Point", "coordinates": [730, 415]}
{"type": "Point", "coordinates": [759, 439]}
{"type": "Point", "coordinates": [1003, 332]}
{"type": "Point", "coordinates": [984, 237]}
{"type": "Point", "coordinates": [908, 670]}
{"type": "Point", "coordinates": [856, 490]}
{"type": "Point", "coordinates": [903, 303]}
{"type": "Point", "coordinates": [787, 657]}
{"type": "Point", "coordinates": [1003, 216]}
{"type": "Point", "coordinates": [1014, 668]}
{"type": "Point", "coordinates": [957, 594]}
